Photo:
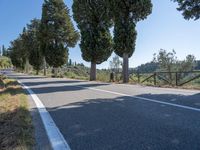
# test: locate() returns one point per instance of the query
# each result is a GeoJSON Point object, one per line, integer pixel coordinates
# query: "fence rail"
{"type": "Point", "coordinates": [172, 78]}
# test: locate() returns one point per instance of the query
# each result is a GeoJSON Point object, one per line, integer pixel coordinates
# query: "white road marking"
{"type": "Point", "coordinates": [56, 139]}
{"type": "Point", "coordinates": [144, 99]}
{"type": "Point", "coordinates": [163, 88]}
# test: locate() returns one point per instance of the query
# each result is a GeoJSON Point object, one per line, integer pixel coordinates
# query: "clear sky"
{"type": "Point", "coordinates": [165, 28]}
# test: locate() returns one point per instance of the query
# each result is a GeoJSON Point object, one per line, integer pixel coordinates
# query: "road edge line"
{"type": "Point", "coordinates": [55, 137]}
{"type": "Point", "coordinates": [145, 99]}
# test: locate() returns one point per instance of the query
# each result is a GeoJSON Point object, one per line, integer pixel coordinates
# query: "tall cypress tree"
{"type": "Point", "coordinates": [16, 53]}
{"type": "Point", "coordinates": [94, 23]}
{"type": "Point", "coordinates": [57, 32]}
{"type": "Point", "coordinates": [25, 41]}
{"type": "Point", "coordinates": [0, 52]}
{"type": "Point", "coordinates": [4, 51]}
{"type": "Point", "coordinates": [35, 54]}
{"type": "Point", "coordinates": [125, 14]}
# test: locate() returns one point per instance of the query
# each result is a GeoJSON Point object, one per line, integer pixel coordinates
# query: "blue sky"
{"type": "Point", "coordinates": [165, 28]}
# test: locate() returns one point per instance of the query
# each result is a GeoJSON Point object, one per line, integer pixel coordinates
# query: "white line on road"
{"type": "Point", "coordinates": [144, 99]}
{"type": "Point", "coordinates": [56, 139]}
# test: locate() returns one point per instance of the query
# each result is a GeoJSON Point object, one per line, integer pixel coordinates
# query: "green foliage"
{"type": "Point", "coordinates": [147, 68]}
{"type": "Point", "coordinates": [124, 37]}
{"type": "Point", "coordinates": [96, 47]}
{"type": "Point", "coordinates": [103, 75]}
{"type": "Point", "coordinates": [35, 54]}
{"type": "Point", "coordinates": [93, 22]}
{"type": "Point", "coordinates": [125, 15]}
{"type": "Point", "coordinates": [57, 32]}
{"type": "Point", "coordinates": [5, 62]}
{"type": "Point", "coordinates": [4, 51]}
{"type": "Point", "coordinates": [166, 60]}
{"type": "Point", "coordinates": [57, 55]}
{"type": "Point", "coordinates": [26, 42]}
{"type": "Point", "coordinates": [169, 63]}
{"type": "Point", "coordinates": [26, 47]}
{"type": "Point", "coordinates": [188, 64]}
{"type": "Point", "coordinates": [23, 44]}
{"type": "Point", "coordinates": [79, 72]}
{"type": "Point", "coordinates": [190, 8]}
{"type": "Point", "coordinates": [16, 54]}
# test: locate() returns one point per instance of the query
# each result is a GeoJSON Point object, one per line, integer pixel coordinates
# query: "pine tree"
{"type": "Point", "coordinates": [125, 14]}
{"type": "Point", "coordinates": [190, 8]}
{"type": "Point", "coordinates": [57, 32]}
{"type": "Point", "coordinates": [94, 23]}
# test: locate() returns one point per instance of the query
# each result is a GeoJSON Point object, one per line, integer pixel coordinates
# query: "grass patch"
{"type": "Point", "coordinates": [16, 128]}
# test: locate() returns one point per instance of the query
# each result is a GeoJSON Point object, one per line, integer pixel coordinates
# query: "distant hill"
{"type": "Point", "coordinates": [152, 67]}
{"type": "Point", "coordinates": [146, 68]}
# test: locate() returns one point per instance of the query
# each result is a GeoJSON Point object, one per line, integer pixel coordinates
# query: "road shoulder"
{"type": "Point", "coordinates": [41, 137]}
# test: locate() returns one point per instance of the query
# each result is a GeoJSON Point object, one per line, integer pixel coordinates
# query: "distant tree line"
{"type": "Point", "coordinates": [167, 62]}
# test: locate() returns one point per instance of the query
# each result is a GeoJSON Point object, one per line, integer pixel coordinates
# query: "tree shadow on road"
{"type": "Point", "coordinates": [127, 123]}
{"type": "Point", "coordinates": [189, 100]}
{"type": "Point", "coordinates": [52, 82]}
{"type": "Point", "coordinates": [65, 88]}
{"type": "Point", "coordinates": [23, 76]}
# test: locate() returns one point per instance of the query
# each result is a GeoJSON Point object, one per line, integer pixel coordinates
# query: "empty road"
{"type": "Point", "coordinates": [100, 116]}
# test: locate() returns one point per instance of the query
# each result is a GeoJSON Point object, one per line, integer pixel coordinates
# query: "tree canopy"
{"type": "Point", "coordinates": [5, 62]}
{"type": "Point", "coordinates": [189, 8]}
{"type": "Point", "coordinates": [57, 32]}
{"type": "Point", "coordinates": [35, 54]}
{"type": "Point", "coordinates": [16, 53]}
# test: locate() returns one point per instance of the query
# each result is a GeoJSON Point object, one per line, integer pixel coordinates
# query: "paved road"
{"type": "Point", "coordinates": [98, 116]}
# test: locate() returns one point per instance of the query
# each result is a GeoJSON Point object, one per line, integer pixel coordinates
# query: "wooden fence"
{"type": "Point", "coordinates": [170, 78]}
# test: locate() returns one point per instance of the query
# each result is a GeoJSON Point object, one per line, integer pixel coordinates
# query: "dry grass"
{"type": "Point", "coordinates": [16, 128]}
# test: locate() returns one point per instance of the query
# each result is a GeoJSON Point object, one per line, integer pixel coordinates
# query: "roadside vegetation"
{"type": "Point", "coordinates": [5, 62]}
{"type": "Point", "coordinates": [16, 130]}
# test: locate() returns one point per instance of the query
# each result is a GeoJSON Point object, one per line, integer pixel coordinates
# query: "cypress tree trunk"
{"type": "Point", "coordinates": [37, 71]}
{"type": "Point", "coordinates": [93, 71]}
{"type": "Point", "coordinates": [44, 65]}
{"type": "Point", "coordinates": [27, 66]}
{"type": "Point", "coordinates": [125, 68]}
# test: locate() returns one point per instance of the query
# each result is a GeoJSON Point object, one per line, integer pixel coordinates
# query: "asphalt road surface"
{"type": "Point", "coordinates": [100, 116]}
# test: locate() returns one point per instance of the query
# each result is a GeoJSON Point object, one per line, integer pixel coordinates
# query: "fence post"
{"type": "Point", "coordinates": [176, 78]}
{"type": "Point", "coordinates": [155, 82]}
